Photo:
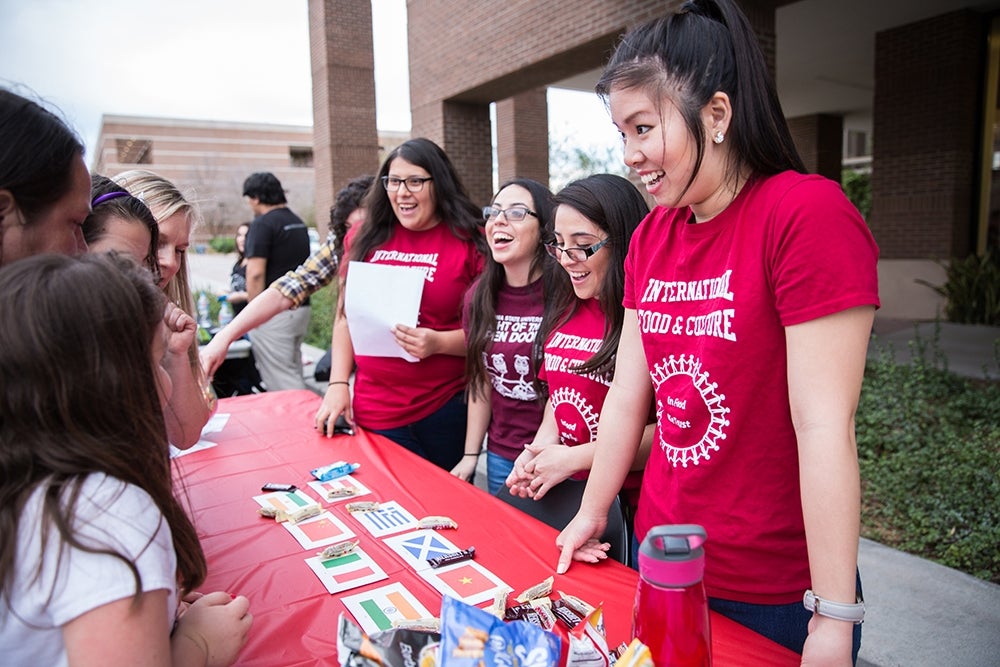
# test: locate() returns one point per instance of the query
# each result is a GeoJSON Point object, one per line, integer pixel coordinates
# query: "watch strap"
{"type": "Point", "coordinates": [852, 613]}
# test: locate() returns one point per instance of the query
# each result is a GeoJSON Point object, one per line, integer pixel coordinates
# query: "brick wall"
{"type": "Point", "coordinates": [474, 53]}
{"type": "Point", "coordinates": [343, 66]}
{"type": "Point", "coordinates": [925, 131]}
{"type": "Point", "coordinates": [819, 139]}
{"type": "Point", "coordinates": [523, 136]}
{"type": "Point", "coordinates": [209, 160]}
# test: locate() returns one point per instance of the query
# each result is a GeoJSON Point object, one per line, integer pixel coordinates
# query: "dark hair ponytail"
{"type": "Point", "coordinates": [708, 46]}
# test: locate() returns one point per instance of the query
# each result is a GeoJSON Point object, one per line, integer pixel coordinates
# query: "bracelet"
{"type": "Point", "coordinates": [853, 613]}
{"type": "Point", "coordinates": [333, 382]}
{"type": "Point", "coordinates": [476, 454]}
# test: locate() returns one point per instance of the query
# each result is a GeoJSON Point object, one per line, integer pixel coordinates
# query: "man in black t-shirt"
{"type": "Point", "coordinates": [278, 242]}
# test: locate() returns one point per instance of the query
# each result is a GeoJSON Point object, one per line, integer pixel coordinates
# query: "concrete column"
{"type": "Point", "coordinates": [345, 138]}
{"type": "Point", "coordinates": [523, 136]}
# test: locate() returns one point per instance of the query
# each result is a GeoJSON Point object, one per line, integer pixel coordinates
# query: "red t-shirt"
{"type": "Point", "coordinates": [577, 399]}
{"type": "Point", "coordinates": [390, 392]}
{"type": "Point", "coordinates": [712, 301]}
{"type": "Point", "coordinates": [515, 408]}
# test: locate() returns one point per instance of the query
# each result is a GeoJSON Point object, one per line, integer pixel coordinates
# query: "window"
{"type": "Point", "coordinates": [135, 151]}
{"type": "Point", "coordinates": [300, 156]}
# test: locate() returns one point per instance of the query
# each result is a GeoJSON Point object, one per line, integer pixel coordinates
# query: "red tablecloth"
{"type": "Point", "coordinates": [270, 438]}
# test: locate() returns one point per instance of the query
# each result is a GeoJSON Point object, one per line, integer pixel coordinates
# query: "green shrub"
{"type": "Point", "coordinates": [929, 450]}
{"type": "Point", "coordinates": [223, 244]}
{"type": "Point", "coordinates": [858, 188]}
{"type": "Point", "coordinates": [972, 289]}
{"type": "Point", "coordinates": [320, 329]}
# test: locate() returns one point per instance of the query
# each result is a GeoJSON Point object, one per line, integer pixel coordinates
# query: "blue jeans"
{"type": "Point", "coordinates": [438, 437]}
{"type": "Point", "coordinates": [497, 470]}
{"type": "Point", "coordinates": [785, 624]}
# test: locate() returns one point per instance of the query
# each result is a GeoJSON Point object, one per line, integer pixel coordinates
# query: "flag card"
{"type": "Point", "coordinates": [289, 501]}
{"type": "Point", "coordinates": [416, 547]}
{"type": "Point", "coordinates": [319, 531]}
{"type": "Point", "coordinates": [389, 518]}
{"type": "Point", "coordinates": [341, 483]}
{"type": "Point", "coordinates": [376, 610]}
{"type": "Point", "coordinates": [468, 581]}
{"type": "Point", "coordinates": [348, 571]}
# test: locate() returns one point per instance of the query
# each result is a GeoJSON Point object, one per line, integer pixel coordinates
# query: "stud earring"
{"type": "Point", "coordinates": [719, 137]}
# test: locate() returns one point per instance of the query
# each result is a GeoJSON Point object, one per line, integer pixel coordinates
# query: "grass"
{"type": "Point", "coordinates": [929, 450]}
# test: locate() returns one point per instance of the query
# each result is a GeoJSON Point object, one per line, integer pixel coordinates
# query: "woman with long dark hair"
{"type": "Point", "coordinates": [750, 292]}
{"type": "Point", "coordinates": [419, 216]}
{"type": "Point", "coordinates": [95, 551]}
{"type": "Point", "coordinates": [575, 350]}
{"type": "Point", "coordinates": [502, 314]}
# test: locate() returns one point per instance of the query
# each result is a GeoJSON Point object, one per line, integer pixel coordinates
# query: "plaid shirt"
{"type": "Point", "coordinates": [318, 271]}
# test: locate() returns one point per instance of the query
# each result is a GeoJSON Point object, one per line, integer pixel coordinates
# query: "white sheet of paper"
{"type": "Point", "coordinates": [378, 297]}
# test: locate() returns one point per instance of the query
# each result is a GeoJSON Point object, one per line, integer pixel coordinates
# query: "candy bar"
{"type": "Point", "coordinates": [453, 557]}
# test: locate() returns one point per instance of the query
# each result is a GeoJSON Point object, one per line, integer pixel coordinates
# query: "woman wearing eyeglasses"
{"type": "Point", "coordinates": [502, 314]}
{"type": "Point", "coordinates": [576, 345]}
{"type": "Point", "coordinates": [419, 216]}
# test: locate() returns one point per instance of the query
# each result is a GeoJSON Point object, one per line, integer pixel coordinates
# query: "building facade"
{"type": "Point", "coordinates": [209, 160]}
{"type": "Point", "coordinates": [907, 88]}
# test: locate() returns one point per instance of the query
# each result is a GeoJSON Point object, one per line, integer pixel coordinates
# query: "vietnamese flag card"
{"type": "Point", "coordinates": [376, 610]}
{"type": "Point", "coordinates": [319, 531]}
{"type": "Point", "coordinates": [348, 571]}
{"type": "Point", "coordinates": [467, 581]}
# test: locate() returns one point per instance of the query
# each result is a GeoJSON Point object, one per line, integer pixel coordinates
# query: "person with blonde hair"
{"type": "Point", "coordinates": [192, 402]}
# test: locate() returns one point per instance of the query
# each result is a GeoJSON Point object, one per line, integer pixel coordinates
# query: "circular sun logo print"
{"type": "Point", "coordinates": [694, 421]}
{"type": "Point", "coordinates": [572, 409]}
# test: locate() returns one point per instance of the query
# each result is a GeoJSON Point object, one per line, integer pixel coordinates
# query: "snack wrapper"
{"type": "Point", "coordinates": [397, 647]}
{"type": "Point", "coordinates": [636, 655]}
{"type": "Point", "coordinates": [471, 637]}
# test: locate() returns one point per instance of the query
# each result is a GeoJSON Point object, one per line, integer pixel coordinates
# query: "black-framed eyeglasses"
{"type": "Point", "coordinates": [413, 183]}
{"type": "Point", "coordinates": [513, 214]}
{"type": "Point", "coordinates": [576, 254]}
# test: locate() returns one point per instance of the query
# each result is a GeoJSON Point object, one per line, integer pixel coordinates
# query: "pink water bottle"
{"type": "Point", "coordinates": [671, 608]}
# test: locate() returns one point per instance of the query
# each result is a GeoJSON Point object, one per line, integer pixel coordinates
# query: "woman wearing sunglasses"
{"type": "Point", "coordinates": [576, 345]}
{"type": "Point", "coordinates": [502, 314]}
{"type": "Point", "coordinates": [418, 215]}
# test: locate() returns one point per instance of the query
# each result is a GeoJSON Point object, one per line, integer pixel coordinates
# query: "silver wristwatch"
{"type": "Point", "coordinates": [853, 613]}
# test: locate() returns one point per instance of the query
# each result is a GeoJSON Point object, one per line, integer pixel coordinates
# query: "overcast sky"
{"type": "Point", "coordinates": [234, 60]}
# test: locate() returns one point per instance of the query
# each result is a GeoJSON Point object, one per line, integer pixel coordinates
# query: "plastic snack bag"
{"type": "Point", "coordinates": [471, 637]}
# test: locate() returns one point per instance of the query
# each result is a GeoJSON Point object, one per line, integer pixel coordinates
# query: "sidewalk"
{"type": "Point", "coordinates": [919, 612]}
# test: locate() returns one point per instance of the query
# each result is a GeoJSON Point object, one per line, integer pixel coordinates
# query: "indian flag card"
{"type": "Point", "coordinates": [347, 485]}
{"type": "Point", "coordinates": [319, 531]}
{"type": "Point", "coordinates": [376, 610]}
{"type": "Point", "coordinates": [467, 581]}
{"type": "Point", "coordinates": [348, 571]}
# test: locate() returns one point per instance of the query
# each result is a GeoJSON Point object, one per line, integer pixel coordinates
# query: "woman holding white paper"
{"type": "Point", "coordinates": [419, 216]}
